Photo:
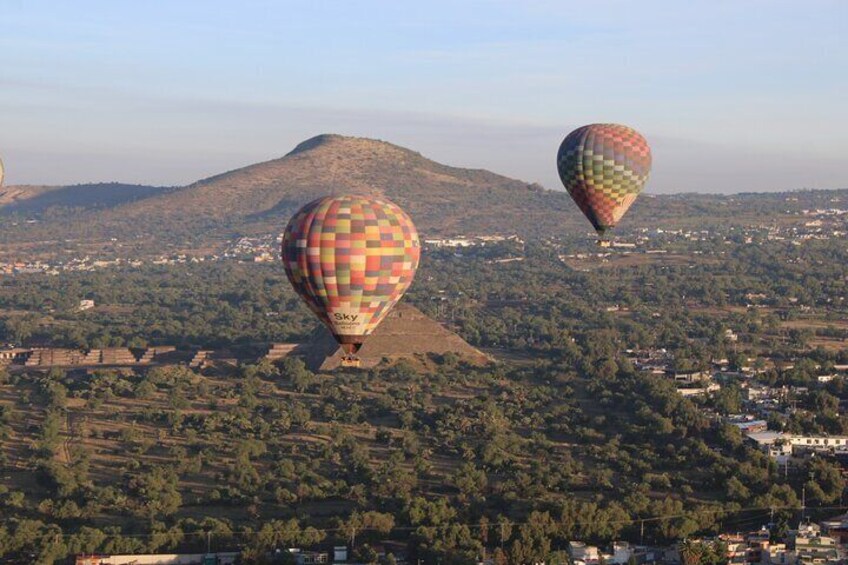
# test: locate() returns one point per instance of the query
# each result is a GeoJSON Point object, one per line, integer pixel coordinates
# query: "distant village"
{"type": "Point", "coordinates": [759, 402]}
{"type": "Point", "coordinates": [816, 224]}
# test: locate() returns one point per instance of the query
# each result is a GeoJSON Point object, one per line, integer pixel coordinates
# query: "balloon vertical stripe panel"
{"type": "Point", "coordinates": [604, 167]}
{"type": "Point", "coordinates": [351, 258]}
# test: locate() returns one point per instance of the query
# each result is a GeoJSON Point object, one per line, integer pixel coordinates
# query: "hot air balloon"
{"type": "Point", "coordinates": [351, 259]}
{"type": "Point", "coordinates": [604, 168]}
{"type": "Point", "coordinates": [2, 172]}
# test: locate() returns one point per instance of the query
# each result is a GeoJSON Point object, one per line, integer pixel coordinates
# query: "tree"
{"type": "Point", "coordinates": [736, 490]}
{"type": "Point", "coordinates": [691, 552]}
{"type": "Point", "coordinates": [470, 481]}
{"type": "Point", "coordinates": [826, 484]}
{"type": "Point", "coordinates": [157, 492]}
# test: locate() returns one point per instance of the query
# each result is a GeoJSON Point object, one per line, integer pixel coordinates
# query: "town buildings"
{"type": "Point", "coordinates": [809, 544]}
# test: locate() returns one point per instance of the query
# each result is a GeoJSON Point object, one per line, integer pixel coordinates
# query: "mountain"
{"type": "Point", "coordinates": [261, 197]}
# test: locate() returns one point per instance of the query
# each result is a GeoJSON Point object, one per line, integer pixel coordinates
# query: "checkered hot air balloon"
{"type": "Point", "coordinates": [351, 258]}
{"type": "Point", "coordinates": [604, 168]}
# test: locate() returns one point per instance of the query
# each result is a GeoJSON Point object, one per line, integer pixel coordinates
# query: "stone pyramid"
{"type": "Point", "coordinates": [406, 333]}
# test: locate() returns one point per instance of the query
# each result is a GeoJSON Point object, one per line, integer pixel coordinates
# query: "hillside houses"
{"type": "Point", "coordinates": [812, 225]}
{"type": "Point", "coordinates": [808, 544]}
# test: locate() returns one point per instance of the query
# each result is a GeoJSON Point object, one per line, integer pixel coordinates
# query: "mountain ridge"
{"type": "Point", "coordinates": [261, 196]}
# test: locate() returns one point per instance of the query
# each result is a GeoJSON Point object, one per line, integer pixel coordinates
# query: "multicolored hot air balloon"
{"type": "Point", "coordinates": [2, 172]}
{"type": "Point", "coordinates": [351, 258]}
{"type": "Point", "coordinates": [604, 168]}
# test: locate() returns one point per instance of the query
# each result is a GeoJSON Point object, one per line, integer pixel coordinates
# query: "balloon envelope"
{"type": "Point", "coordinates": [604, 167]}
{"type": "Point", "coordinates": [351, 258]}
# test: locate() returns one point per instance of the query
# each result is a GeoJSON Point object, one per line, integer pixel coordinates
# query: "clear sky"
{"type": "Point", "coordinates": [733, 95]}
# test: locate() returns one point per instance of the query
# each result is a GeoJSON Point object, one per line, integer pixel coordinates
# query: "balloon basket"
{"type": "Point", "coordinates": [604, 243]}
{"type": "Point", "coordinates": [351, 361]}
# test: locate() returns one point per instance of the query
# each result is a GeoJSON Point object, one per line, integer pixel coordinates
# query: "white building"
{"type": "Point", "coordinates": [818, 443]}
{"type": "Point", "coordinates": [696, 391]}
{"type": "Point", "coordinates": [159, 559]}
{"type": "Point", "coordinates": [580, 552]}
{"type": "Point", "coordinates": [781, 446]}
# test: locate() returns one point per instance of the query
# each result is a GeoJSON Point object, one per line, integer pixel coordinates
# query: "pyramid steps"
{"type": "Point", "coordinates": [199, 359]}
{"type": "Point", "coordinates": [280, 350]}
{"type": "Point", "coordinates": [406, 333]}
{"type": "Point", "coordinates": [117, 356]}
{"type": "Point", "coordinates": [92, 357]}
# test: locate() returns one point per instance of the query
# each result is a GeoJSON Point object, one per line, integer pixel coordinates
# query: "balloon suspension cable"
{"type": "Point", "coordinates": [351, 348]}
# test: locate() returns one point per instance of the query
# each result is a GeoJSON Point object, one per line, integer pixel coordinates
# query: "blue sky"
{"type": "Point", "coordinates": [733, 95]}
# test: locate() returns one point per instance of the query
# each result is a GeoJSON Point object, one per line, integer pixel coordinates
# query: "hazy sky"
{"type": "Point", "coordinates": [733, 95]}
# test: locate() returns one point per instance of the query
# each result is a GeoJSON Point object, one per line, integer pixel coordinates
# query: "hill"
{"type": "Point", "coordinates": [441, 199]}
{"type": "Point", "coordinates": [29, 199]}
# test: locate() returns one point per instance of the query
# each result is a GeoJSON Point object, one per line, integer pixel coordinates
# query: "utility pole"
{"type": "Point", "coordinates": [209, 542]}
{"type": "Point", "coordinates": [641, 532]}
{"type": "Point", "coordinates": [353, 537]}
{"type": "Point", "coordinates": [803, 503]}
